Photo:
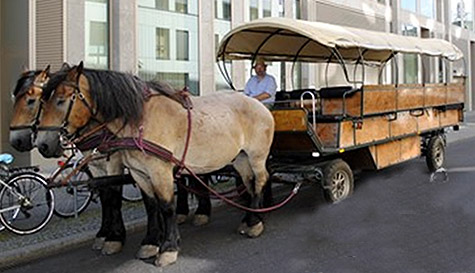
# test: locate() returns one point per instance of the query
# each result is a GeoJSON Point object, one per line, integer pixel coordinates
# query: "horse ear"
{"type": "Point", "coordinates": [80, 67]}
{"type": "Point", "coordinates": [44, 74]}
{"type": "Point", "coordinates": [46, 70]}
{"type": "Point", "coordinates": [75, 72]}
{"type": "Point", "coordinates": [65, 67]}
{"type": "Point", "coordinates": [24, 69]}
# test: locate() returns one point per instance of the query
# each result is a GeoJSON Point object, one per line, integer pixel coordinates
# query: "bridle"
{"type": "Point", "coordinates": [33, 126]}
{"type": "Point", "coordinates": [77, 94]}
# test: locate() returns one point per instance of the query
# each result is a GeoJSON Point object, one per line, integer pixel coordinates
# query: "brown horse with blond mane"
{"type": "Point", "coordinates": [227, 127]}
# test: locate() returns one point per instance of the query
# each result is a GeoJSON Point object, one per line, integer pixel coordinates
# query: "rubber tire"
{"type": "Point", "coordinates": [38, 181]}
{"type": "Point", "coordinates": [337, 169]}
{"type": "Point", "coordinates": [81, 206]}
{"type": "Point", "coordinates": [435, 148]}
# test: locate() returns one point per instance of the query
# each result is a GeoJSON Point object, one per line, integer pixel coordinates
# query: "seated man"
{"type": "Point", "coordinates": [261, 86]}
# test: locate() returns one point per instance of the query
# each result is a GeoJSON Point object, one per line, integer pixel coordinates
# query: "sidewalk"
{"type": "Point", "coordinates": [65, 233]}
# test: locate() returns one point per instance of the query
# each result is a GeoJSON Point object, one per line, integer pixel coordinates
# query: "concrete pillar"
{"type": "Point", "coordinates": [288, 13]}
{"type": "Point", "coordinates": [206, 34]}
{"type": "Point", "coordinates": [240, 14]}
{"type": "Point", "coordinates": [123, 27]}
{"type": "Point", "coordinates": [74, 31]}
{"type": "Point", "coordinates": [14, 53]}
{"type": "Point", "coordinates": [309, 71]}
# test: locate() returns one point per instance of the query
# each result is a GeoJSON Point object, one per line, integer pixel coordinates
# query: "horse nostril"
{"type": "Point", "coordinates": [18, 143]}
{"type": "Point", "coordinates": [43, 147]}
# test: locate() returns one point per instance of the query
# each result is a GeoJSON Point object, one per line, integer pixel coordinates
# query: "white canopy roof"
{"type": "Point", "coordinates": [281, 39]}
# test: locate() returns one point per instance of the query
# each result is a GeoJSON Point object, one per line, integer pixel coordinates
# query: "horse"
{"type": "Point", "coordinates": [111, 235]}
{"type": "Point", "coordinates": [241, 131]}
{"type": "Point", "coordinates": [27, 107]}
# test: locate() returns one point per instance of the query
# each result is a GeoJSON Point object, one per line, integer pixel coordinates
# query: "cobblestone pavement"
{"type": "Point", "coordinates": [63, 233]}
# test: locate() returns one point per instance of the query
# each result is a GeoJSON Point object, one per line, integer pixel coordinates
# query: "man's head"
{"type": "Point", "coordinates": [260, 67]}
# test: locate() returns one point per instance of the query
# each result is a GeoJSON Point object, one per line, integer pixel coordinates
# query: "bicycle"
{"type": "Point", "coordinates": [74, 197]}
{"type": "Point", "coordinates": [26, 202]}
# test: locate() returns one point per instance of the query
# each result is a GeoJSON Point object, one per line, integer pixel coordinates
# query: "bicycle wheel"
{"type": "Point", "coordinates": [28, 196]}
{"type": "Point", "coordinates": [65, 205]}
{"type": "Point", "coordinates": [131, 193]}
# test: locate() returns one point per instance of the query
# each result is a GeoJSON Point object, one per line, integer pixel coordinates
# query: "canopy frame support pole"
{"type": "Point", "coordinates": [223, 70]}
{"type": "Point", "coordinates": [254, 56]}
{"type": "Point", "coordinates": [295, 60]}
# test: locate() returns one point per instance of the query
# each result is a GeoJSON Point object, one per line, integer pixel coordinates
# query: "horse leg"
{"type": "Point", "coordinates": [150, 244]}
{"type": "Point", "coordinates": [161, 177]}
{"type": "Point", "coordinates": [105, 219]}
{"type": "Point", "coordinates": [116, 237]}
{"type": "Point", "coordinates": [258, 165]}
{"type": "Point", "coordinates": [203, 212]}
{"type": "Point", "coordinates": [242, 166]}
{"type": "Point", "coordinates": [247, 167]}
{"type": "Point", "coordinates": [182, 209]}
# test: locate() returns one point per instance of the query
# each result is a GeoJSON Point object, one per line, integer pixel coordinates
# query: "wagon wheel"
{"type": "Point", "coordinates": [337, 181]}
{"type": "Point", "coordinates": [435, 153]}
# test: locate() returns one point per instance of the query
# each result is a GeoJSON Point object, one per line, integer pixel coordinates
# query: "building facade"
{"type": "Point", "coordinates": [176, 40]}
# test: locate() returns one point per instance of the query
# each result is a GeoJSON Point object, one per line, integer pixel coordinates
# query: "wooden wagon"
{"type": "Point", "coordinates": [334, 130]}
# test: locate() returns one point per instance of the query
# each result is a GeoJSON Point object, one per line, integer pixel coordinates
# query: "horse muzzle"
{"type": "Point", "coordinates": [22, 139]}
{"type": "Point", "coordinates": [49, 144]}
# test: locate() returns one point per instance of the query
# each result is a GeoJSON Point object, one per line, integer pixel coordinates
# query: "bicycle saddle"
{"type": "Point", "coordinates": [6, 158]}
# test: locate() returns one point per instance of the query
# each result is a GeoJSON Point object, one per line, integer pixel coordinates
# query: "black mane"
{"type": "Point", "coordinates": [115, 94]}
{"type": "Point", "coordinates": [24, 83]}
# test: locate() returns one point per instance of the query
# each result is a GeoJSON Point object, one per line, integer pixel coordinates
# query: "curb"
{"type": "Point", "coordinates": [15, 257]}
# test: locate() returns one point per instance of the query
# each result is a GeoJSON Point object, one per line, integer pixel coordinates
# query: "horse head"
{"type": "Point", "coordinates": [68, 107]}
{"type": "Point", "coordinates": [27, 107]}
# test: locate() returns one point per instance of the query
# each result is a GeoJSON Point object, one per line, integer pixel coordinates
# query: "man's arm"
{"type": "Point", "coordinates": [262, 96]}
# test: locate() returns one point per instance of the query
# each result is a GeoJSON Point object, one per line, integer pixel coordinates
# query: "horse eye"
{"type": "Point", "coordinates": [30, 102]}
{"type": "Point", "coordinates": [60, 102]}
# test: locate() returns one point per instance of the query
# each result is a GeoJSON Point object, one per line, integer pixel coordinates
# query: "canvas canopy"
{"type": "Point", "coordinates": [282, 39]}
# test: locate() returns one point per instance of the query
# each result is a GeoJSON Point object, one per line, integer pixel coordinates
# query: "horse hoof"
{"type": "Point", "coordinates": [200, 220]}
{"type": "Point", "coordinates": [111, 247]}
{"type": "Point", "coordinates": [242, 229]}
{"type": "Point", "coordinates": [181, 218]}
{"type": "Point", "coordinates": [98, 243]}
{"type": "Point", "coordinates": [147, 251]}
{"type": "Point", "coordinates": [166, 258]}
{"type": "Point", "coordinates": [256, 230]}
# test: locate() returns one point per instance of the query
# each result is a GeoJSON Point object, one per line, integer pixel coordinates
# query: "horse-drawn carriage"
{"type": "Point", "coordinates": [326, 133]}
{"type": "Point", "coordinates": [331, 130]}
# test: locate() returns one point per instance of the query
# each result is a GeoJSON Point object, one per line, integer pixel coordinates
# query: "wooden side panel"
{"type": "Point", "coordinates": [347, 138]}
{"type": "Point", "coordinates": [404, 124]}
{"type": "Point", "coordinates": [455, 93]}
{"type": "Point", "coordinates": [435, 94]}
{"type": "Point", "coordinates": [449, 117]}
{"type": "Point", "coordinates": [290, 120]}
{"type": "Point", "coordinates": [327, 133]}
{"type": "Point", "coordinates": [429, 120]}
{"type": "Point", "coordinates": [410, 148]}
{"type": "Point", "coordinates": [396, 151]}
{"type": "Point", "coordinates": [379, 101]}
{"type": "Point", "coordinates": [374, 129]}
{"type": "Point", "coordinates": [334, 106]}
{"type": "Point", "coordinates": [410, 97]}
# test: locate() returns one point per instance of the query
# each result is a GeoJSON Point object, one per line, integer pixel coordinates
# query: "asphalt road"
{"type": "Point", "coordinates": [395, 221]}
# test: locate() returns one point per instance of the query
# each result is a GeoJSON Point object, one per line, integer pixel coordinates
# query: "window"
{"type": "Point", "coordinates": [182, 45]}
{"type": "Point", "coordinates": [382, 2]}
{"type": "Point", "coordinates": [427, 8]}
{"type": "Point", "coordinates": [161, 4]}
{"type": "Point", "coordinates": [253, 10]}
{"type": "Point", "coordinates": [222, 9]}
{"type": "Point", "coordinates": [97, 34]}
{"type": "Point", "coordinates": [410, 60]}
{"type": "Point", "coordinates": [267, 8]}
{"type": "Point", "coordinates": [181, 6]}
{"type": "Point", "coordinates": [297, 9]}
{"type": "Point", "coordinates": [176, 80]}
{"type": "Point", "coordinates": [409, 5]}
{"type": "Point", "coordinates": [462, 15]}
{"type": "Point", "coordinates": [227, 10]}
{"type": "Point", "coordinates": [163, 44]}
